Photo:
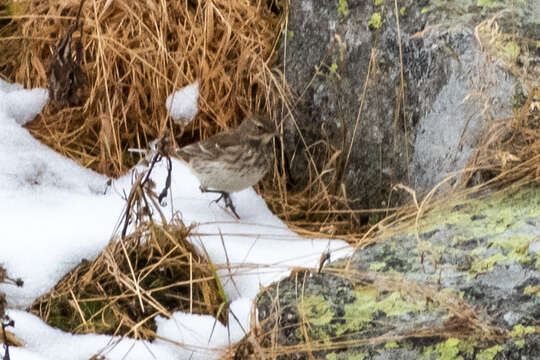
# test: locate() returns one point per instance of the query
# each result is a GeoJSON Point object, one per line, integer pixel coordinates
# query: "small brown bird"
{"type": "Point", "coordinates": [233, 160]}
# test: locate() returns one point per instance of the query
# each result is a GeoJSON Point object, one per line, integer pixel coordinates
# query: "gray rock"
{"type": "Point", "coordinates": [466, 288]}
{"type": "Point", "coordinates": [461, 68]}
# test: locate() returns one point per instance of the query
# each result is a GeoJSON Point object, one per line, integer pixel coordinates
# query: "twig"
{"type": "Point", "coordinates": [6, 323]}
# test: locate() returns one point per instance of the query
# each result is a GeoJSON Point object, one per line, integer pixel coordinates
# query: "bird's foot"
{"type": "Point", "coordinates": [226, 198]}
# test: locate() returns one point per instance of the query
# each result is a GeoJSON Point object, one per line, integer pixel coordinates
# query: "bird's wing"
{"type": "Point", "coordinates": [209, 149]}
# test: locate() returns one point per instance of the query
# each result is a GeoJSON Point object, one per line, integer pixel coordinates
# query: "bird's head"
{"type": "Point", "coordinates": [258, 127]}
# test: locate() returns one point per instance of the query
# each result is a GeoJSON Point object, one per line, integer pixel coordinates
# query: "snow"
{"type": "Point", "coordinates": [182, 104]}
{"type": "Point", "coordinates": [56, 213]}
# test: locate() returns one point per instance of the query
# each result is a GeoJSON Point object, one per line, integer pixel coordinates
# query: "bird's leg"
{"type": "Point", "coordinates": [226, 198]}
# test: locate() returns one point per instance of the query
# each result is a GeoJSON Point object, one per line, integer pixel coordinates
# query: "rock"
{"type": "Point", "coordinates": [465, 64]}
{"type": "Point", "coordinates": [466, 288]}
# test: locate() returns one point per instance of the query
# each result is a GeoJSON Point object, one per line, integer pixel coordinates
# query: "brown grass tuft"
{"type": "Point", "coordinates": [135, 54]}
{"type": "Point", "coordinates": [154, 271]}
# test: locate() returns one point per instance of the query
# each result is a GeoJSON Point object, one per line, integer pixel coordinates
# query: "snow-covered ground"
{"type": "Point", "coordinates": [54, 213]}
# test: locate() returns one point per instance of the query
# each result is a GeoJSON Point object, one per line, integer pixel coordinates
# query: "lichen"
{"type": "Point", "coordinates": [488, 3]}
{"type": "Point", "coordinates": [290, 35]}
{"type": "Point", "coordinates": [449, 350]}
{"type": "Point", "coordinates": [376, 20]}
{"type": "Point", "coordinates": [489, 353]}
{"type": "Point", "coordinates": [395, 305]}
{"type": "Point", "coordinates": [511, 50]}
{"type": "Point", "coordinates": [343, 8]}
{"type": "Point", "coordinates": [528, 290]}
{"type": "Point", "coordinates": [519, 330]}
{"type": "Point", "coordinates": [376, 266]}
{"type": "Point", "coordinates": [316, 310]}
{"type": "Point", "coordinates": [346, 356]}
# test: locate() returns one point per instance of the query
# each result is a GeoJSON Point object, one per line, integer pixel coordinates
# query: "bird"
{"type": "Point", "coordinates": [233, 160]}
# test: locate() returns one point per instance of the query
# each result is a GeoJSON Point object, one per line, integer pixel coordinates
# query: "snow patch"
{"type": "Point", "coordinates": [182, 104]}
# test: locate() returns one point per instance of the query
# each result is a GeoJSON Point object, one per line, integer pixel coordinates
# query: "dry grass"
{"type": "Point", "coordinates": [135, 54]}
{"type": "Point", "coordinates": [134, 61]}
{"type": "Point", "coordinates": [462, 320]}
{"type": "Point", "coordinates": [154, 271]}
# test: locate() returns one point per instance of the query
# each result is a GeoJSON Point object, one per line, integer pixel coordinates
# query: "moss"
{"type": "Point", "coordinates": [376, 20]}
{"type": "Point", "coordinates": [373, 219]}
{"type": "Point", "coordinates": [489, 353]}
{"type": "Point", "coordinates": [343, 8]}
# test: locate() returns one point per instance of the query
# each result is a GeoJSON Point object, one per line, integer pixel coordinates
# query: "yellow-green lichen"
{"type": "Point", "coordinates": [368, 302]}
{"type": "Point", "coordinates": [513, 249]}
{"type": "Point", "coordinates": [519, 343]}
{"type": "Point", "coordinates": [376, 266]}
{"type": "Point", "coordinates": [376, 20]}
{"type": "Point", "coordinates": [485, 265]}
{"type": "Point", "coordinates": [346, 356]}
{"type": "Point", "coordinates": [361, 310]}
{"type": "Point", "coordinates": [333, 68]}
{"type": "Point", "coordinates": [520, 330]}
{"type": "Point", "coordinates": [343, 8]}
{"type": "Point", "coordinates": [391, 345]}
{"type": "Point", "coordinates": [449, 350]}
{"type": "Point", "coordinates": [290, 35]}
{"type": "Point", "coordinates": [316, 310]}
{"type": "Point", "coordinates": [511, 50]}
{"type": "Point", "coordinates": [489, 353]}
{"type": "Point", "coordinates": [482, 217]}
{"type": "Point", "coordinates": [531, 290]}
{"type": "Point", "coordinates": [402, 11]}
{"type": "Point", "coordinates": [378, 2]}
{"type": "Point", "coordinates": [488, 3]}
{"type": "Point", "coordinates": [395, 305]}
